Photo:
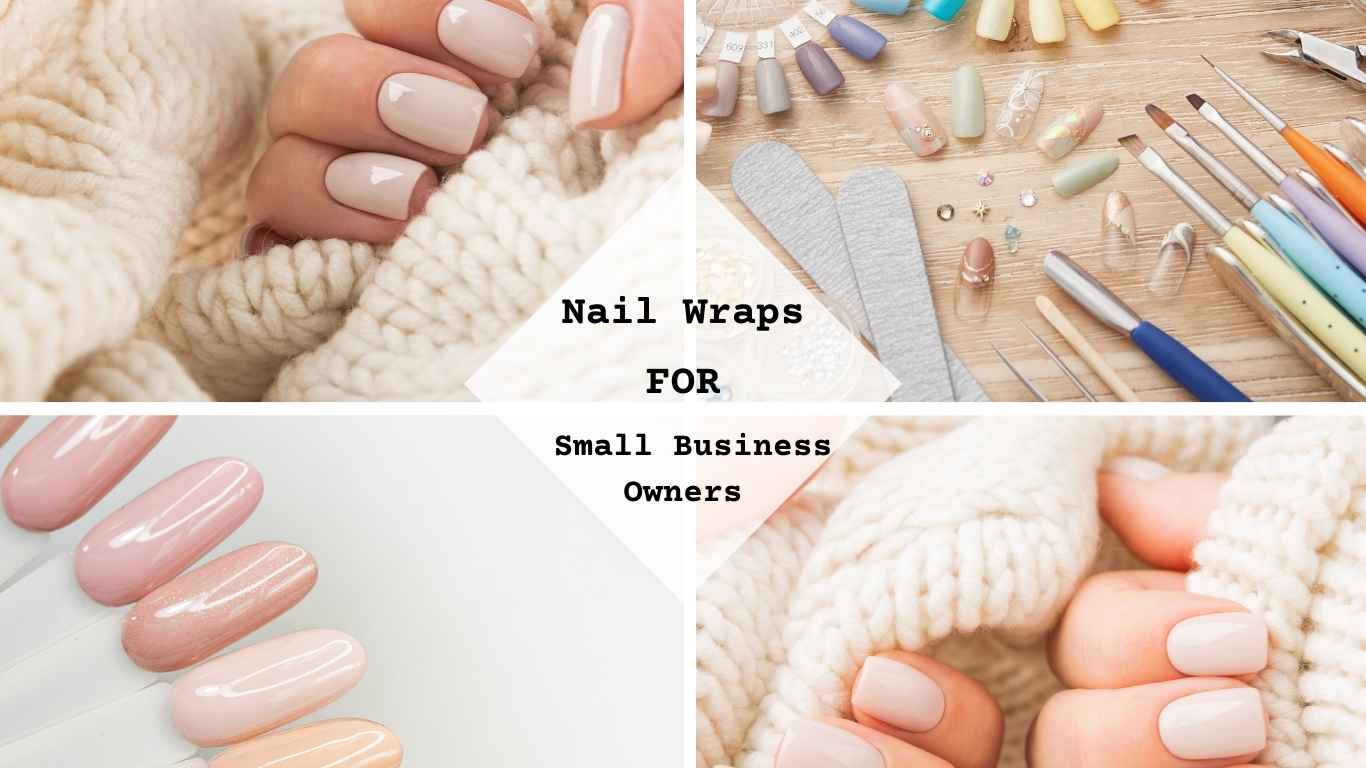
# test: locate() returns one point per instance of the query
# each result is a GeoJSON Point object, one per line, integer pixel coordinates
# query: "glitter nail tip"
{"type": "Point", "coordinates": [1071, 129]}
{"type": "Point", "coordinates": [914, 121]}
{"type": "Point", "coordinates": [1021, 107]}
{"type": "Point", "coordinates": [1118, 232]}
{"type": "Point", "coordinates": [1173, 258]}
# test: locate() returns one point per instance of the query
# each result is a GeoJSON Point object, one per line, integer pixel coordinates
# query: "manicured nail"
{"type": "Point", "coordinates": [156, 536]}
{"type": "Point", "coordinates": [60, 474]}
{"type": "Point", "coordinates": [1118, 232]}
{"type": "Point", "coordinates": [1081, 176]}
{"type": "Point", "coordinates": [1135, 468]}
{"type": "Point", "coordinates": [1071, 129]}
{"type": "Point", "coordinates": [1219, 644]}
{"type": "Point", "coordinates": [595, 84]}
{"type": "Point", "coordinates": [944, 10]}
{"type": "Point", "coordinates": [995, 19]}
{"type": "Point", "coordinates": [899, 695]}
{"type": "Point", "coordinates": [204, 611]}
{"type": "Point", "coordinates": [1173, 259]}
{"type": "Point", "coordinates": [915, 122]}
{"type": "Point", "coordinates": [329, 744]}
{"type": "Point", "coordinates": [816, 65]}
{"type": "Point", "coordinates": [814, 744]}
{"type": "Point", "coordinates": [1098, 14]}
{"type": "Point", "coordinates": [435, 113]}
{"type": "Point", "coordinates": [489, 36]}
{"type": "Point", "coordinates": [770, 78]}
{"type": "Point", "coordinates": [889, 7]}
{"type": "Point", "coordinates": [1214, 725]}
{"type": "Point", "coordinates": [853, 35]}
{"type": "Point", "coordinates": [1046, 21]}
{"type": "Point", "coordinates": [376, 183]}
{"type": "Point", "coordinates": [265, 686]}
{"type": "Point", "coordinates": [969, 103]}
{"type": "Point", "coordinates": [976, 280]}
{"type": "Point", "coordinates": [1021, 107]}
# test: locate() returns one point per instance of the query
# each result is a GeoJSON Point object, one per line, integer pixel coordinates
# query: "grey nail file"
{"type": "Point", "coordinates": [879, 231]}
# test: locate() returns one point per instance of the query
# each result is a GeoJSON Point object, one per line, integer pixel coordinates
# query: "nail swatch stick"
{"type": "Point", "coordinates": [1290, 288]}
{"type": "Point", "coordinates": [1333, 223]}
{"type": "Point", "coordinates": [1345, 185]}
{"type": "Point", "coordinates": [1171, 355]}
{"type": "Point", "coordinates": [47, 605]}
{"type": "Point", "coordinates": [133, 731]}
{"type": "Point", "coordinates": [1311, 255]}
{"type": "Point", "coordinates": [1093, 358]}
{"type": "Point", "coordinates": [18, 547]}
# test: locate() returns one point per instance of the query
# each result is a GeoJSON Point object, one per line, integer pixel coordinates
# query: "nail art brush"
{"type": "Point", "coordinates": [1345, 185]}
{"type": "Point", "coordinates": [1311, 255]}
{"type": "Point", "coordinates": [1029, 385]}
{"type": "Point", "coordinates": [1078, 341]}
{"type": "Point", "coordinates": [1072, 377]}
{"type": "Point", "coordinates": [1171, 355]}
{"type": "Point", "coordinates": [1283, 281]}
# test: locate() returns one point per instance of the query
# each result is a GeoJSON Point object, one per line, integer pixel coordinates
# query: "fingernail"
{"type": "Point", "coordinates": [60, 474]}
{"type": "Point", "coordinates": [599, 62]}
{"type": "Point", "coordinates": [1135, 468]}
{"type": "Point", "coordinates": [375, 183]}
{"type": "Point", "coordinates": [915, 122]}
{"type": "Point", "coordinates": [1046, 22]}
{"type": "Point", "coordinates": [1021, 107]}
{"type": "Point", "coordinates": [343, 743]}
{"type": "Point", "coordinates": [1222, 644]}
{"type": "Point", "coordinates": [1214, 725]}
{"type": "Point", "coordinates": [433, 112]}
{"type": "Point", "coordinates": [1098, 14]}
{"type": "Point", "coordinates": [969, 103]}
{"type": "Point", "coordinates": [1119, 235]}
{"type": "Point", "coordinates": [265, 686]}
{"type": "Point", "coordinates": [976, 280]}
{"type": "Point", "coordinates": [994, 19]}
{"type": "Point", "coordinates": [156, 536]}
{"type": "Point", "coordinates": [489, 36]}
{"type": "Point", "coordinates": [1071, 129]}
{"type": "Point", "coordinates": [814, 744]}
{"type": "Point", "coordinates": [899, 695]}
{"type": "Point", "coordinates": [204, 611]}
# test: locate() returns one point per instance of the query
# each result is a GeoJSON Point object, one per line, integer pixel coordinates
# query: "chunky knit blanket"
{"type": "Point", "coordinates": [925, 536]}
{"type": "Point", "coordinates": [128, 129]}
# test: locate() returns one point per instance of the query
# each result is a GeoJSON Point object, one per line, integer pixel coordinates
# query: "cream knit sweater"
{"type": "Point", "coordinates": [127, 131]}
{"type": "Point", "coordinates": [923, 536]}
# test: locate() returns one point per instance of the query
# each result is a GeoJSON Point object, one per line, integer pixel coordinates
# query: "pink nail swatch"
{"type": "Point", "coordinates": [204, 611]}
{"type": "Point", "coordinates": [60, 474]}
{"type": "Point", "coordinates": [264, 686]}
{"type": "Point", "coordinates": [156, 536]}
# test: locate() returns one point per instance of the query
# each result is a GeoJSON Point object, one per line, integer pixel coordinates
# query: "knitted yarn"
{"type": "Point", "coordinates": [964, 546]}
{"type": "Point", "coordinates": [128, 129]}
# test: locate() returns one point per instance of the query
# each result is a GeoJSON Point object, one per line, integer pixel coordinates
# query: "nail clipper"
{"type": "Point", "coordinates": [1340, 61]}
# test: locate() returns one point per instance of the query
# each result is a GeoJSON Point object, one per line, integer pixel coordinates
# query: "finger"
{"type": "Point", "coordinates": [930, 705]}
{"type": "Point", "coordinates": [492, 41]}
{"type": "Point", "coordinates": [305, 188]}
{"type": "Point", "coordinates": [1198, 722]}
{"type": "Point", "coordinates": [1131, 627]}
{"type": "Point", "coordinates": [830, 742]}
{"type": "Point", "coordinates": [628, 63]}
{"type": "Point", "coordinates": [348, 92]}
{"type": "Point", "coordinates": [1160, 515]}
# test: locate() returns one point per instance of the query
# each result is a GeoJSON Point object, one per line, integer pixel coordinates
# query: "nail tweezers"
{"type": "Point", "coordinates": [1340, 61]}
{"type": "Point", "coordinates": [1033, 390]}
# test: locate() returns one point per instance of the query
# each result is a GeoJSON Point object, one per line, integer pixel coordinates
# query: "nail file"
{"type": "Point", "coordinates": [875, 213]}
{"type": "Point", "coordinates": [796, 208]}
{"type": "Point", "coordinates": [80, 673]}
{"type": "Point", "coordinates": [133, 732]}
{"type": "Point", "coordinates": [42, 608]}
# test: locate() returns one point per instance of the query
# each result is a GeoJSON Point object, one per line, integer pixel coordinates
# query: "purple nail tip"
{"type": "Point", "coordinates": [857, 38]}
{"type": "Point", "coordinates": [819, 69]}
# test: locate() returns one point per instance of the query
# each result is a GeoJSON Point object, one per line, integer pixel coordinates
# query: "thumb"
{"type": "Point", "coordinates": [628, 63]}
{"type": "Point", "coordinates": [1159, 514]}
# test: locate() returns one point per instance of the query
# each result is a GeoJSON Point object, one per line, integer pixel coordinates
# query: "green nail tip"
{"type": "Point", "coordinates": [1084, 174]}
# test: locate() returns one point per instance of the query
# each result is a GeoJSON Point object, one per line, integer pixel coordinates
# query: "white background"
{"type": "Point", "coordinates": [505, 625]}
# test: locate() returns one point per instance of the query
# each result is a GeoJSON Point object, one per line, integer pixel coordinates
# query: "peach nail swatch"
{"type": "Point", "coordinates": [156, 536]}
{"type": "Point", "coordinates": [264, 686]}
{"type": "Point", "coordinates": [489, 36]}
{"type": "Point", "coordinates": [1214, 724]}
{"type": "Point", "coordinates": [60, 474]}
{"type": "Point", "coordinates": [899, 695]}
{"type": "Point", "coordinates": [204, 611]}
{"type": "Point", "coordinates": [433, 112]}
{"type": "Point", "coordinates": [814, 744]}
{"type": "Point", "coordinates": [1222, 644]}
{"type": "Point", "coordinates": [343, 743]}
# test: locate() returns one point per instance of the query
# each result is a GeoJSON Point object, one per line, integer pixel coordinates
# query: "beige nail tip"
{"type": "Point", "coordinates": [1215, 724]}
{"type": "Point", "coordinates": [1219, 644]}
{"type": "Point", "coordinates": [496, 39]}
{"type": "Point", "coordinates": [599, 63]}
{"type": "Point", "coordinates": [375, 183]}
{"type": "Point", "coordinates": [899, 695]}
{"type": "Point", "coordinates": [436, 113]}
{"type": "Point", "coordinates": [341, 743]}
{"type": "Point", "coordinates": [817, 744]}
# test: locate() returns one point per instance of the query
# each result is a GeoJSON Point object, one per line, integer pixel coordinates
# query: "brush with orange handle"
{"type": "Point", "coordinates": [1343, 182]}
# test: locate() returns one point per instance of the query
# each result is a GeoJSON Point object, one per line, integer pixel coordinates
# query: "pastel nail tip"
{"type": "Point", "coordinates": [816, 744]}
{"type": "Point", "coordinates": [944, 10]}
{"type": "Point", "coordinates": [819, 69]}
{"type": "Point", "coordinates": [433, 112]}
{"type": "Point", "coordinates": [1221, 644]}
{"type": "Point", "coordinates": [496, 39]}
{"type": "Point", "coordinates": [899, 695]}
{"type": "Point", "coordinates": [727, 91]}
{"type": "Point", "coordinates": [599, 61]}
{"type": "Point", "coordinates": [857, 38]}
{"type": "Point", "coordinates": [206, 610]}
{"type": "Point", "coordinates": [339, 743]}
{"type": "Point", "coordinates": [376, 183]}
{"type": "Point", "coordinates": [1117, 216]}
{"type": "Point", "coordinates": [1212, 725]}
{"type": "Point", "coordinates": [969, 103]}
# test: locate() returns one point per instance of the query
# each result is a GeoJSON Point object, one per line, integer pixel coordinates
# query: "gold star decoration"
{"type": "Point", "coordinates": [981, 211]}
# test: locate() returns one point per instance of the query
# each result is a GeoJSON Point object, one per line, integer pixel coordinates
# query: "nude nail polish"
{"type": "Point", "coordinates": [599, 65]}
{"type": "Point", "coordinates": [853, 35]}
{"type": "Point", "coordinates": [770, 79]}
{"type": "Point", "coordinates": [1070, 129]}
{"type": "Point", "coordinates": [204, 611]}
{"type": "Point", "coordinates": [435, 113]}
{"type": "Point", "coordinates": [915, 122]}
{"type": "Point", "coordinates": [1046, 21]}
{"type": "Point", "coordinates": [489, 36]}
{"type": "Point", "coordinates": [815, 744]}
{"type": "Point", "coordinates": [264, 686]}
{"type": "Point", "coordinates": [1219, 644]}
{"type": "Point", "coordinates": [375, 183]}
{"type": "Point", "coordinates": [969, 103]}
{"type": "Point", "coordinates": [1135, 468]}
{"type": "Point", "coordinates": [816, 65]}
{"type": "Point", "coordinates": [342, 743]}
{"type": "Point", "coordinates": [899, 695]}
{"type": "Point", "coordinates": [722, 104]}
{"type": "Point", "coordinates": [72, 463]}
{"type": "Point", "coordinates": [156, 536]}
{"type": "Point", "coordinates": [1214, 725]}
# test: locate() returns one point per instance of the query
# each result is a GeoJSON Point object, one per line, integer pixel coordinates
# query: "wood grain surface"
{"type": "Point", "coordinates": [1152, 56]}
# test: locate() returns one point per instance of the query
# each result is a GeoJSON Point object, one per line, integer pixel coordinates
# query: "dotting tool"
{"type": "Point", "coordinates": [1342, 181]}
{"type": "Point", "coordinates": [1171, 355]}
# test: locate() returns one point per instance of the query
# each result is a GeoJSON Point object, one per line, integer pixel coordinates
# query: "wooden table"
{"type": "Point", "coordinates": [1152, 56]}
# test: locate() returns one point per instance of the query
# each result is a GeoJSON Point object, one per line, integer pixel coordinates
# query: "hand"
{"type": "Point", "coordinates": [1158, 673]}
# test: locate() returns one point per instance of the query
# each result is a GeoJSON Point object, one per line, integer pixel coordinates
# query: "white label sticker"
{"type": "Point", "coordinates": [733, 49]}
{"type": "Point", "coordinates": [794, 32]}
{"type": "Point", "coordinates": [765, 43]}
{"type": "Point", "coordinates": [820, 13]}
{"type": "Point", "coordinates": [704, 33]}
